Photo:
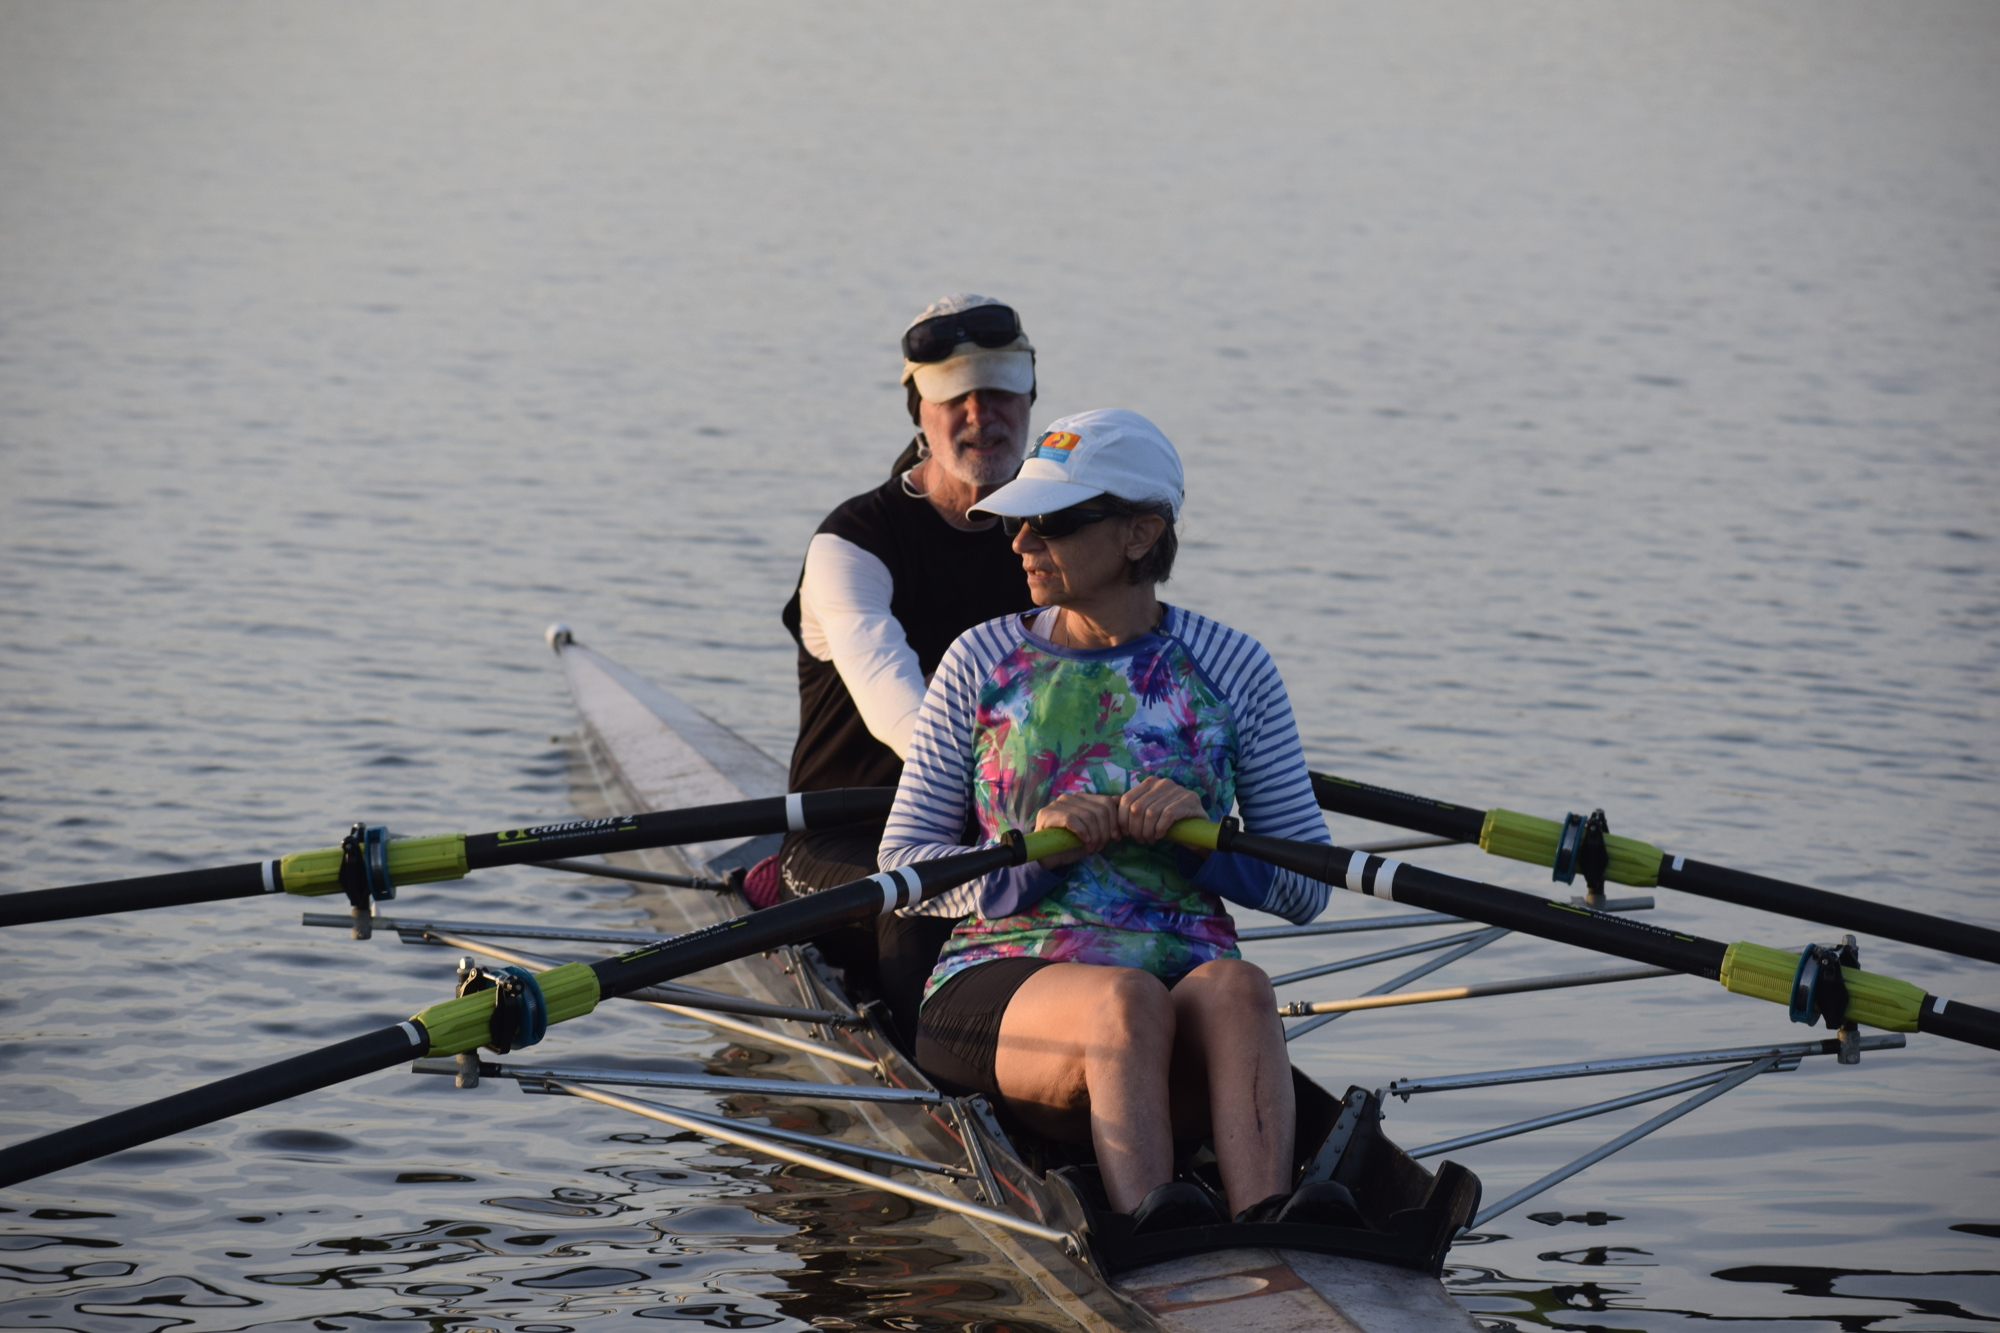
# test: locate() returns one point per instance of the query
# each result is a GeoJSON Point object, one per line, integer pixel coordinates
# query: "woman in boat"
{"type": "Point", "coordinates": [1099, 993]}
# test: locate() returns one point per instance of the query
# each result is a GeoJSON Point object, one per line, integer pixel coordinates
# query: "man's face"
{"type": "Point", "coordinates": [978, 437]}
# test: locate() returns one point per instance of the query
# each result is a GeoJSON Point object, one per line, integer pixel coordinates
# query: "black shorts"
{"type": "Point", "coordinates": [958, 1029]}
{"type": "Point", "coordinates": [816, 859]}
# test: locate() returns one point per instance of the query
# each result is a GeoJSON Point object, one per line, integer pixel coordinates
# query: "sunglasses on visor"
{"type": "Point", "coordinates": [1059, 524]}
{"type": "Point", "coordinates": [986, 325]}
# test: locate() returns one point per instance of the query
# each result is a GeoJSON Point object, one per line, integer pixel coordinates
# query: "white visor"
{"type": "Point", "coordinates": [1010, 368]}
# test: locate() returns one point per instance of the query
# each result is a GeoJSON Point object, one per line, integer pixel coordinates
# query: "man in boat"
{"type": "Point", "coordinates": [890, 579]}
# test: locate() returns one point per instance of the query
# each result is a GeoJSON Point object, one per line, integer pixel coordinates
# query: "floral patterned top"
{"type": "Point", "coordinates": [1012, 720]}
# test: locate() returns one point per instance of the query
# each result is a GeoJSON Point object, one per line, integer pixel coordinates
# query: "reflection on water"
{"type": "Point", "coordinates": [784, 1252]}
{"type": "Point", "coordinates": [1843, 1298]}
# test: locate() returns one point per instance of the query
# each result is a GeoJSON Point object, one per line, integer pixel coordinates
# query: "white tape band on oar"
{"type": "Point", "coordinates": [900, 888]}
{"type": "Point", "coordinates": [1372, 875]}
{"type": "Point", "coordinates": [413, 1032]}
{"type": "Point", "coordinates": [795, 811]}
{"type": "Point", "coordinates": [1937, 1004]}
{"type": "Point", "coordinates": [1679, 861]}
{"type": "Point", "coordinates": [270, 877]}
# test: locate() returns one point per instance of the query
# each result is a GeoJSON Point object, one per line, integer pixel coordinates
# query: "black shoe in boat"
{"type": "Point", "coordinates": [1174, 1205]}
{"type": "Point", "coordinates": [1265, 1210]}
{"type": "Point", "coordinates": [1323, 1203]}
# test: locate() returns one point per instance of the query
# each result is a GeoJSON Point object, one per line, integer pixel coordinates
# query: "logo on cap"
{"type": "Point", "coordinates": [1056, 444]}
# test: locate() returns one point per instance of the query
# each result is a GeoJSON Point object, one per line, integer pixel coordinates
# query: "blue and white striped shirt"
{"type": "Point", "coordinates": [1273, 791]}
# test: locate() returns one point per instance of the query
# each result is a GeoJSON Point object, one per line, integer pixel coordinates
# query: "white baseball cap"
{"type": "Point", "coordinates": [970, 366]}
{"type": "Point", "coordinates": [1106, 452]}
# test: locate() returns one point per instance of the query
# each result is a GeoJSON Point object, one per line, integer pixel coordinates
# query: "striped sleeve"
{"type": "Point", "coordinates": [1274, 794]}
{"type": "Point", "coordinates": [929, 816]}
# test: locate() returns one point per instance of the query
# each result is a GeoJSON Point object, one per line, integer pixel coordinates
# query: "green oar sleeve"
{"type": "Point", "coordinates": [1879, 1001]}
{"type": "Point", "coordinates": [411, 861]}
{"type": "Point", "coordinates": [464, 1024]}
{"type": "Point", "coordinates": [1526, 838]}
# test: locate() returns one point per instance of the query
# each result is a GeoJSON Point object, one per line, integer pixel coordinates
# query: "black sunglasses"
{"type": "Point", "coordinates": [1059, 524]}
{"type": "Point", "coordinates": [986, 325]}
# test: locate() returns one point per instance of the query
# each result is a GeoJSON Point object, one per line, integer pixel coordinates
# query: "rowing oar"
{"type": "Point", "coordinates": [1587, 847]}
{"type": "Point", "coordinates": [369, 865]}
{"type": "Point", "coordinates": [516, 1015]}
{"type": "Point", "coordinates": [1814, 984]}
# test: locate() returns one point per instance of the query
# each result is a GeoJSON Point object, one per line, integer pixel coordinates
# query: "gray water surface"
{"type": "Point", "coordinates": [1588, 405]}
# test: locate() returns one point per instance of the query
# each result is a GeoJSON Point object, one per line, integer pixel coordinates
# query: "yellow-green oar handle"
{"type": "Point", "coordinates": [1049, 841]}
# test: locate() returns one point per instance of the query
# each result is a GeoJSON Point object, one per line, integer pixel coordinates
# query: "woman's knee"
{"type": "Point", "coordinates": [1131, 1006]}
{"type": "Point", "coordinates": [1228, 988]}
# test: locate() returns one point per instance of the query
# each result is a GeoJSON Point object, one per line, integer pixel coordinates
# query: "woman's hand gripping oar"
{"type": "Point", "coordinates": [1817, 984]}
{"type": "Point", "coordinates": [486, 1017]}
{"type": "Point", "coordinates": [369, 865]}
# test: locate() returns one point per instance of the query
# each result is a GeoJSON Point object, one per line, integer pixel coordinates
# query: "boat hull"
{"type": "Point", "coordinates": [646, 749]}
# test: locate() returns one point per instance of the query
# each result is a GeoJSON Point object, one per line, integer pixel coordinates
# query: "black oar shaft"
{"type": "Point", "coordinates": [674, 828]}
{"type": "Point", "coordinates": [1960, 1022]}
{"type": "Point", "coordinates": [130, 895]}
{"type": "Point", "coordinates": [1567, 924]}
{"type": "Point", "coordinates": [211, 1102]}
{"type": "Point", "coordinates": [450, 857]}
{"type": "Point", "coordinates": [788, 922]}
{"type": "Point", "coordinates": [1380, 805]}
{"type": "Point", "coordinates": [1832, 909]}
{"type": "Point", "coordinates": [1684, 874]}
{"type": "Point", "coordinates": [463, 1024]}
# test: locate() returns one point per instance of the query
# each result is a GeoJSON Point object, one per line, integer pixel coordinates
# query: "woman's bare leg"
{"type": "Point", "coordinates": [1083, 1056]}
{"type": "Point", "coordinates": [1226, 1026]}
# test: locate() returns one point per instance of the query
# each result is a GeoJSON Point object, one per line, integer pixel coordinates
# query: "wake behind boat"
{"type": "Point", "coordinates": [651, 750]}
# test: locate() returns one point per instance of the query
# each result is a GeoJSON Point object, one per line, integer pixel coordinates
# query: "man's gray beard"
{"type": "Point", "coordinates": [986, 467]}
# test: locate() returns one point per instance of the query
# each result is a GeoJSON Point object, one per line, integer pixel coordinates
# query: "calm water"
{"type": "Point", "coordinates": [1588, 405]}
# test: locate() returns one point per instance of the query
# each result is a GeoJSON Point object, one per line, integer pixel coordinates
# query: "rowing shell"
{"type": "Point", "coordinates": [649, 750]}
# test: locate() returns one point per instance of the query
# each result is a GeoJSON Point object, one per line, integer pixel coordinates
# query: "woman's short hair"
{"type": "Point", "coordinates": [1157, 565]}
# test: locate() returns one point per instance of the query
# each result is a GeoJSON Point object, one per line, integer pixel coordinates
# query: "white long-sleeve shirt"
{"type": "Point", "coordinates": [844, 618]}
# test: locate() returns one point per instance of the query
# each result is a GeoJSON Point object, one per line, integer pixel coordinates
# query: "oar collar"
{"type": "Point", "coordinates": [520, 1012]}
{"type": "Point", "coordinates": [364, 874]}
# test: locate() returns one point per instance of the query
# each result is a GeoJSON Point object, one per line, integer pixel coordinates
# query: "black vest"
{"type": "Point", "coordinates": [946, 581]}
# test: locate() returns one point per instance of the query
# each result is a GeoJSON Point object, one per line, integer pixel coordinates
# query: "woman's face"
{"type": "Point", "coordinates": [1094, 560]}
